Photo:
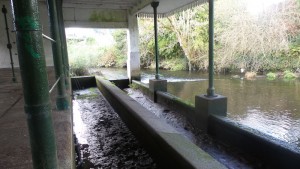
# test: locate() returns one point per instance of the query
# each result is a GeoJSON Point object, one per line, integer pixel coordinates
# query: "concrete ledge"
{"type": "Point", "coordinates": [269, 150]}
{"type": "Point", "coordinates": [83, 82]}
{"type": "Point", "coordinates": [167, 146]}
{"type": "Point", "coordinates": [177, 104]}
{"type": "Point", "coordinates": [121, 83]}
{"type": "Point", "coordinates": [143, 87]}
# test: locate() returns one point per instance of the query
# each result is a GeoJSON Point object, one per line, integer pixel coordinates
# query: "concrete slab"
{"type": "Point", "coordinates": [14, 137]}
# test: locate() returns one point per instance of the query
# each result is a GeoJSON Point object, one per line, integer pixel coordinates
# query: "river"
{"type": "Point", "coordinates": [270, 106]}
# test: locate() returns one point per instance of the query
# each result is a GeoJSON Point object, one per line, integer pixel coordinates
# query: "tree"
{"type": "Point", "coordinates": [190, 27]}
{"type": "Point", "coordinates": [251, 41]}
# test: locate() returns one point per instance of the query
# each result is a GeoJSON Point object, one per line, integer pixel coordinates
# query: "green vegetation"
{"type": "Point", "coordinates": [265, 41]}
{"type": "Point", "coordinates": [269, 40]}
{"type": "Point", "coordinates": [134, 86]}
{"type": "Point", "coordinates": [87, 96]}
{"type": "Point", "coordinates": [85, 54]}
{"type": "Point", "coordinates": [271, 76]}
{"type": "Point", "coordinates": [288, 75]}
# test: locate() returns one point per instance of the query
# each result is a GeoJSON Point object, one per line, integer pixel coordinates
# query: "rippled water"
{"type": "Point", "coordinates": [272, 107]}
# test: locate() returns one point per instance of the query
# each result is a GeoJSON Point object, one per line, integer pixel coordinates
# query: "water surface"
{"type": "Point", "coordinates": [270, 106]}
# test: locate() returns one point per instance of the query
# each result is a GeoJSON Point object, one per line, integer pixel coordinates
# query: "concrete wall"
{"type": "Point", "coordinates": [4, 53]}
{"type": "Point", "coordinates": [168, 147]}
{"type": "Point", "coordinates": [94, 18]}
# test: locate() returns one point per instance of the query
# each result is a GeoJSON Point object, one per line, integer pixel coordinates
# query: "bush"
{"type": "Point", "coordinates": [271, 76]}
{"type": "Point", "coordinates": [78, 70]}
{"type": "Point", "coordinates": [289, 75]}
{"type": "Point", "coordinates": [174, 64]}
{"type": "Point", "coordinates": [108, 59]}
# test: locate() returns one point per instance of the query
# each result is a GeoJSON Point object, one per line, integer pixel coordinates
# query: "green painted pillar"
{"type": "Point", "coordinates": [211, 88]}
{"type": "Point", "coordinates": [63, 42]}
{"type": "Point", "coordinates": [61, 98]}
{"type": "Point", "coordinates": [155, 5]}
{"type": "Point", "coordinates": [35, 83]}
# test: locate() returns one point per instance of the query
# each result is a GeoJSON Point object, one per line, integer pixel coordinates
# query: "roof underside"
{"type": "Point", "coordinates": [141, 7]}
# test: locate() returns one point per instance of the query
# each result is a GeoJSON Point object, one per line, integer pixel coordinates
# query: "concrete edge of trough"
{"type": "Point", "coordinates": [165, 144]}
{"type": "Point", "coordinates": [274, 152]}
{"type": "Point", "coordinates": [83, 82]}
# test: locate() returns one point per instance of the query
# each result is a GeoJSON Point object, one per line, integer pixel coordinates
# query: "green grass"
{"type": "Point", "coordinates": [134, 86]}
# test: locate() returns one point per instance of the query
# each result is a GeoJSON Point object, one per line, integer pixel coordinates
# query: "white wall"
{"type": "Point", "coordinates": [4, 53]}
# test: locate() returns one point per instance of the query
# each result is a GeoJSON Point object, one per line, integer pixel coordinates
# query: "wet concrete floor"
{"type": "Point", "coordinates": [104, 140]}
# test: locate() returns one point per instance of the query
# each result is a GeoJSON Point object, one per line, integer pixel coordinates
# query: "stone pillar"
{"type": "Point", "coordinates": [133, 55]}
{"type": "Point", "coordinates": [157, 85]}
{"type": "Point", "coordinates": [205, 106]}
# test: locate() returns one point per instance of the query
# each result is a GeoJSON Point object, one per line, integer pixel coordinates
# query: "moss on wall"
{"type": "Point", "coordinates": [108, 16]}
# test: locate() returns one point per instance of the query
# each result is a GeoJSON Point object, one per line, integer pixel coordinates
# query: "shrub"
{"type": "Point", "coordinates": [174, 64]}
{"type": "Point", "coordinates": [271, 76]}
{"type": "Point", "coordinates": [78, 71]}
{"type": "Point", "coordinates": [289, 75]}
{"type": "Point", "coordinates": [108, 59]}
{"type": "Point", "coordinates": [134, 86]}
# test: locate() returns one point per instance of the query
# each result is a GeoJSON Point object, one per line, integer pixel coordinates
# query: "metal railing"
{"type": "Point", "coordinates": [47, 37]}
{"type": "Point", "coordinates": [54, 85]}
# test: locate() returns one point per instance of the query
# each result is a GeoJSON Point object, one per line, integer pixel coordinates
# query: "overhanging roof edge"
{"type": "Point", "coordinates": [180, 9]}
{"type": "Point", "coordinates": [140, 6]}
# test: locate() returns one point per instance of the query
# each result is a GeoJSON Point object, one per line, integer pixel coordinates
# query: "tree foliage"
{"type": "Point", "coordinates": [267, 40]}
{"type": "Point", "coordinates": [255, 41]}
{"type": "Point", "coordinates": [191, 28]}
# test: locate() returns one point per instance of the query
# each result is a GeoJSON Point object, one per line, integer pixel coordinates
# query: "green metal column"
{"type": "Point", "coordinates": [61, 98]}
{"type": "Point", "coordinates": [63, 42]}
{"type": "Point", "coordinates": [9, 46]}
{"type": "Point", "coordinates": [211, 88]}
{"type": "Point", "coordinates": [35, 83]}
{"type": "Point", "coordinates": [155, 5]}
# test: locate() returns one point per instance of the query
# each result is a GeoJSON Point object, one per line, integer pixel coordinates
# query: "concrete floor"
{"type": "Point", "coordinates": [14, 137]}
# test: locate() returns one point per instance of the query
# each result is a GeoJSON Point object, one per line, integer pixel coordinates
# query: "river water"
{"type": "Point", "coordinates": [270, 106]}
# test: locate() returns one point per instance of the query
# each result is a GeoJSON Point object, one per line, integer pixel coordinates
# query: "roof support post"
{"type": "Point", "coordinates": [133, 55]}
{"type": "Point", "coordinates": [9, 46]}
{"type": "Point", "coordinates": [61, 98]}
{"type": "Point", "coordinates": [155, 4]}
{"type": "Point", "coordinates": [156, 84]}
{"type": "Point", "coordinates": [211, 88]}
{"type": "Point", "coordinates": [35, 83]}
{"type": "Point", "coordinates": [210, 104]}
{"type": "Point", "coordinates": [64, 47]}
